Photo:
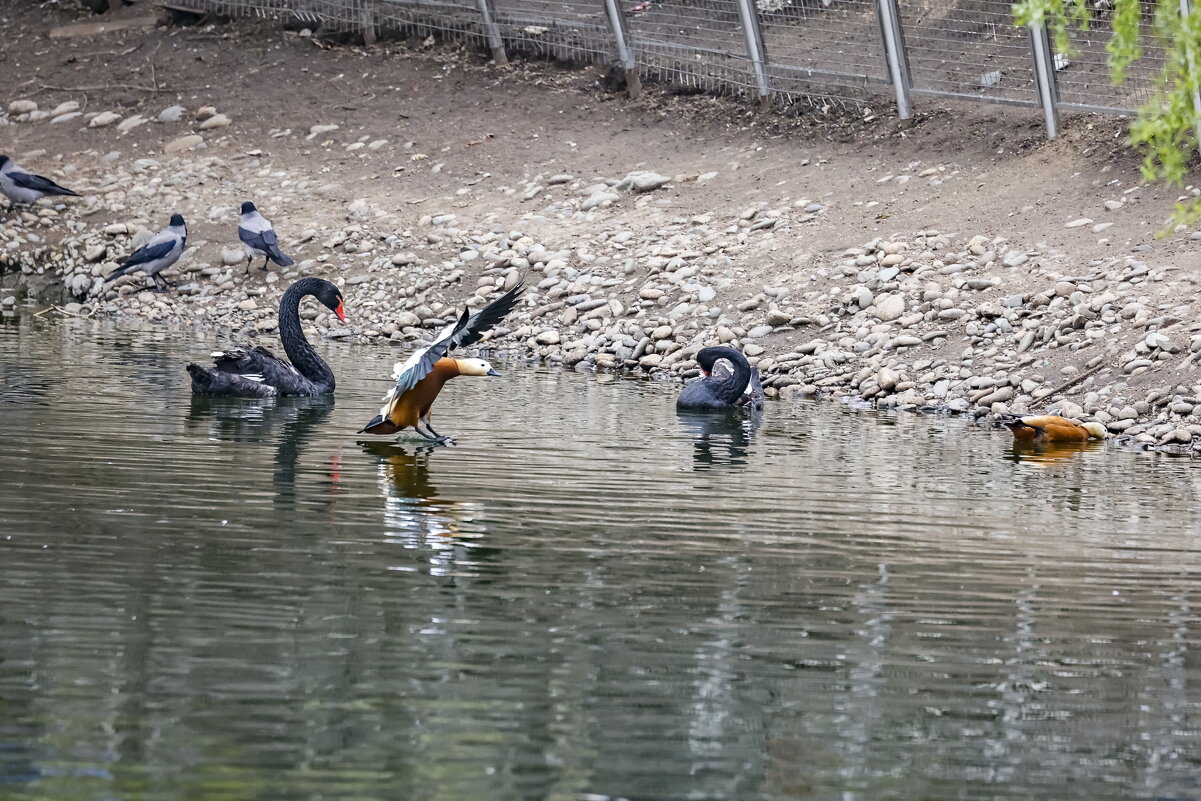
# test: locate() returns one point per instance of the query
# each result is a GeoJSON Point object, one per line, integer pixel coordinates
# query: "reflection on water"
{"type": "Point", "coordinates": [721, 438]}
{"type": "Point", "coordinates": [588, 596]}
{"type": "Point", "coordinates": [1051, 453]}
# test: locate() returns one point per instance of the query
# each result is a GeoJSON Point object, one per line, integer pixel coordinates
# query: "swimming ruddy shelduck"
{"type": "Point", "coordinates": [421, 378]}
{"type": "Point", "coordinates": [1052, 428]}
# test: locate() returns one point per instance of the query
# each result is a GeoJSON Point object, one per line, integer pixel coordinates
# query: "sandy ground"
{"type": "Point", "coordinates": [783, 210]}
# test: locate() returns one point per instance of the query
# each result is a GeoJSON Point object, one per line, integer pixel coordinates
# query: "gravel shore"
{"type": "Point", "coordinates": [634, 269]}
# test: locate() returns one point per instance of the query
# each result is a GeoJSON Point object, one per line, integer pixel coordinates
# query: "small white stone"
{"type": "Point", "coordinates": [215, 121]}
{"type": "Point", "coordinates": [171, 114]}
{"type": "Point", "coordinates": [1078, 223]}
{"type": "Point", "coordinates": [22, 107]}
{"type": "Point", "coordinates": [104, 119]}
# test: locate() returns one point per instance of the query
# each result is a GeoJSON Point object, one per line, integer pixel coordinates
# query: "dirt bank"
{"type": "Point", "coordinates": [956, 262]}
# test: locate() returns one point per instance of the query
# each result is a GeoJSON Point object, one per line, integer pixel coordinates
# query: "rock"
{"type": "Point", "coordinates": [70, 115]}
{"type": "Point", "coordinates": [104, 119]}
{"type": "Point", "coordinates": [759, 331]}
{"type": "Point", "coordinates": [232, 256]}
{"type": "Point", "coordinates": [204, 112]}
{"type": "Point", "coordinates": [22, 107]}
{"type": "Point", "coordinates": [600, 199]}
{"type": "Point", "coordinates": [247, 305]}
{"type": "Point", "coordinates": [776, 317]}
{"type": "Point", "coordinates": [887, 379]}
{"type": "Point", "coordinates": [1083, 221]}
{"type": "Point", "coordinates": [171, 114]}
{"type": "Point", "coordinates": [1014, 258]}
{"type": "Point", "coordinates": [1114, 205]}
{"type": "Point", "coordinates": [646, 181]}
{"type": "Point", "coordinates": [130, 123]}
{"type": "Point", "coordinates": [65, 108]}
{"type": "Point", "coordinates": [215, 121]}
{"type": "Point", "coordinates": [317, 130]}
{"type": "Point", "coordinates": [406, 319]}
{"type": "Point", "coordinates": [550, 337]}
{"type": "Point", "coordinates": [1070, 410]}
{"type": "Point", "coordinates": [189, 142]}
{"type": "Point", "coordinates": [404, 259]}
{"type": "Point", "coordinates": [890, 307]}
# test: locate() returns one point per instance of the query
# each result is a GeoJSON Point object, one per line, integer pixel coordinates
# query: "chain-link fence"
{"type": "Point", "coordinates": [842, 50]}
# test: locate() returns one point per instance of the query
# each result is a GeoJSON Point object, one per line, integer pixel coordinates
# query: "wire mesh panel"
{"type": "Point", "coordinates": [1083, 74]}
{"type": "Point", "coordinates": [822, 45]}
{"type": "Point", "coordinates": [571, 30]}
{"type": "Point", "coordinates": [691, 43]}
{"type": "Point", "coordinates": [457, 18]}
{"type": "Point", "coordinates": [968, 48]}
{"type": "Point", "coordinates": [336, 13]}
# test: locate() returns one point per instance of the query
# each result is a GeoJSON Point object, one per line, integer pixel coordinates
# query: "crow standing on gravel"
{"type": "Point", "coordinates": [258, 237]}
{"type": "Point", "coordinates": [163, 250]}
{"type": "Point", "coordinates": [20, 186]}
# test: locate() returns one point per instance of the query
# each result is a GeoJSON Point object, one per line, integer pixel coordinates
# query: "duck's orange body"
{"type": "Point", "coordinates": [414, 405]}
{"type": "Point", "coordinates": [1052, 428]}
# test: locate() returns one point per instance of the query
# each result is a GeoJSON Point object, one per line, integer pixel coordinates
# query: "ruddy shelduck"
{"type": "Point", "coordinates": [1052, 428]}
{"type": "Point", "coordinates": [421, 378]}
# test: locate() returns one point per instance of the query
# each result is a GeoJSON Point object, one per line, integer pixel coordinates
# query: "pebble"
{"type": "Point", "coordinates": [1079, 223]}
{"type": "Point", "coordinates": [188, 142]}
{"type": "Point", "coordinates": [171, 114]}
{"type": "Point", "coordinates": [215, 121]}
{"type": "Point", "coordinates": [104, 119]}
{"type": "Point", "coordinates": [22, 107]}
{"type": "Point", "coordinates": [890, 307]}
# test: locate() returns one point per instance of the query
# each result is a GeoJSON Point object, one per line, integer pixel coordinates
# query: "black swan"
{"type": "Point", "coordinates": [257, 372]}
{"type": "Point", "coordinates": [721, 387]}
{"type": "Point", "coordinates": [421, 378]}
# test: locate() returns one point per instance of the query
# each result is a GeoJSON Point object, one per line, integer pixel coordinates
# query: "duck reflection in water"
{"type": "Point", "coordinates": [1046, 454]}
{"type": "Point", "coordinates": [720, 438]}
{"type": "Point", "coordinates": [445, 531]}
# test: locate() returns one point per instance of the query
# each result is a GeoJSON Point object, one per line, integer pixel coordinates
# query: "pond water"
{"type": "Point", "coordinates": [587, 597]}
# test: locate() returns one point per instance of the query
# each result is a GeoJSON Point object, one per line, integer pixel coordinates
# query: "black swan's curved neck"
{"type": "Point", "coordinates": [730, 390]}
{"type": "Point", "coordinates": [300, 352]}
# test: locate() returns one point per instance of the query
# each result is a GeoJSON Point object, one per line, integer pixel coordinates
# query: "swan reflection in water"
{"type": "Point", "coordinates": [445, 531]}
{"type": "Point", "coordinates": [720, 438]}
{"type": "Point", "coordinates": [293, 422]}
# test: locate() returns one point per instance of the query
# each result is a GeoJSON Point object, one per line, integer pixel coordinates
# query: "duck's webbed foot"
{"type": "Point", "coordinates": [433, 436]}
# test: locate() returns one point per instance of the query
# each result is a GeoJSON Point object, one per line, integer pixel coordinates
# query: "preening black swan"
{"type": "Point", "coordinates": [257, 372]}
{"type": "Point", "coordinates": [721, 387]}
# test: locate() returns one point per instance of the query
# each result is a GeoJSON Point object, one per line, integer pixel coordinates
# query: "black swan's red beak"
{"type": "Point", "coordinates": [341, 312]}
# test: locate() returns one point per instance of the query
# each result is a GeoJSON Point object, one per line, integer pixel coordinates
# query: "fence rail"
{"type": "Point", "coordinates": [852, 51]}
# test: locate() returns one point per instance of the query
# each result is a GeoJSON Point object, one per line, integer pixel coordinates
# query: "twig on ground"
{"type": "Point", "coordinates": [1069, 384]}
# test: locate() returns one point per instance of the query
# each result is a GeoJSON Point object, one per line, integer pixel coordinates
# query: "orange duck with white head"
{"type": "Point", "coordinates": [1052, 428]}
{"type": "Point", "coordinates": [422, 376]}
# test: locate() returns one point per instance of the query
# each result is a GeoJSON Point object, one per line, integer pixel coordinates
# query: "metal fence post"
{"type": "Point", "coordinates": [895, 54]}
{"type": "Point", "coordinates": [1044, 74]}
{"type": "Point", "coordinates": [754, 45]}
{"type": "Point", "coordinates": [492, 32]}
{"type": "Point", "coordinates": [367, 22]}
{"type": "Point", "coordinates": [1186, 9]}
{"type": "Point", "coordinates": [617, 24]}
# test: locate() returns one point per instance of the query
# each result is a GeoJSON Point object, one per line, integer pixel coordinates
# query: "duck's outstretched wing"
{"type": "Point", "coordinates": [467, 330]}
{"type": "Point", "coordinates": [486, 318]}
